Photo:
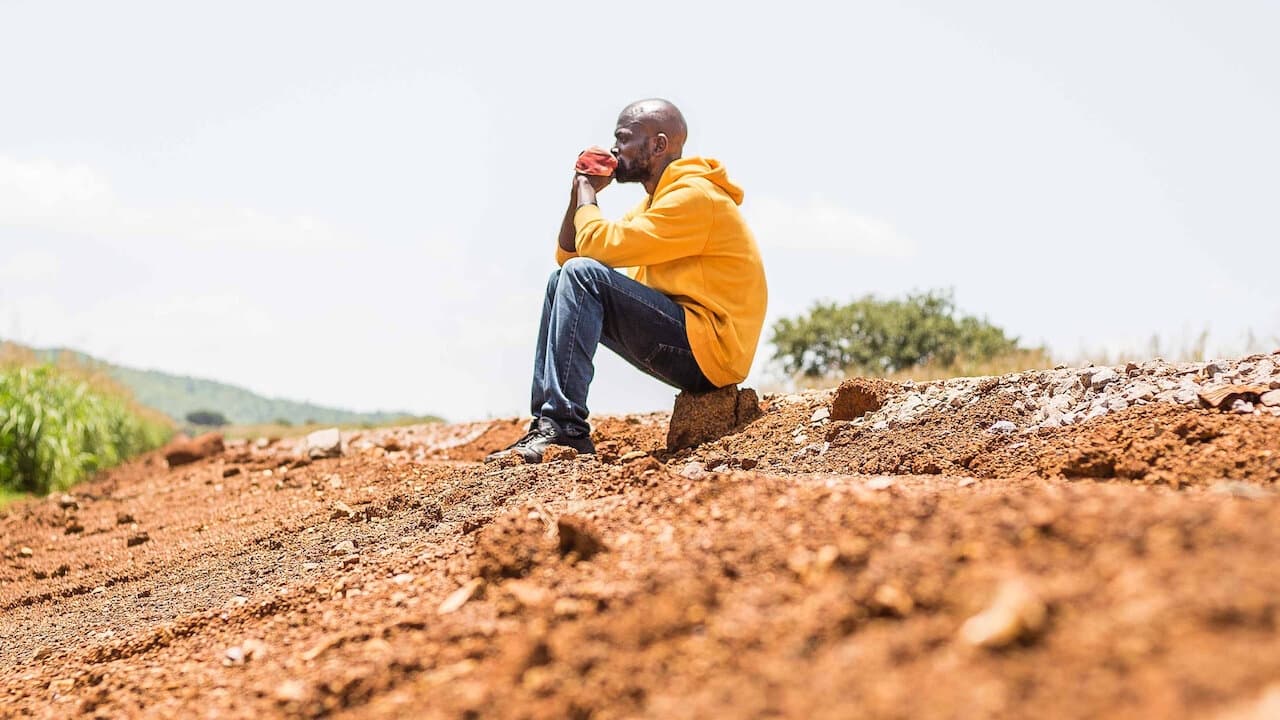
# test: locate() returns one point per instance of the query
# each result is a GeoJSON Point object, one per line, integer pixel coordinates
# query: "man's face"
{"type": "Point", "coordinates": [631, 147]}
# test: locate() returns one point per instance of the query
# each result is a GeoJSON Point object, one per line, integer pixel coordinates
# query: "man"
{"type": "Point", "coordinates": [691, 308]}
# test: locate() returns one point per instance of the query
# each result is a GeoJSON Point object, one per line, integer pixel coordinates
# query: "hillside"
{"type": "Point", "coordinates": [1068, 543]}
{"type": "Point", "coordinates": [177, 395]}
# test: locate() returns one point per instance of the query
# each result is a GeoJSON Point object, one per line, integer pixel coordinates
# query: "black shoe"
{"type": "Point", "coordinates": [543, 432]}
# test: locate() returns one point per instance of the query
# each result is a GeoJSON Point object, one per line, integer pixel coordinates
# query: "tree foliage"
{"type": "Point", "coordinates": [879, 337]}
{"type": "Point", "coordinates": [207, 418]}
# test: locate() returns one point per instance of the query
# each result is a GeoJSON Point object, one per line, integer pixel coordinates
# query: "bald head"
{"type": "Point", "coordinates": [660, 116]}
{"type": "Point", "coordinates": [650, 134]}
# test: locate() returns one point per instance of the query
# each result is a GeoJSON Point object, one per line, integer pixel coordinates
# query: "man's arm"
{"type": "Point", "coordinates": [677, 225]}
{"type": "Point", "coordinates": [583, 192]}
{"type": "Point", "coordinates": [566, 225]}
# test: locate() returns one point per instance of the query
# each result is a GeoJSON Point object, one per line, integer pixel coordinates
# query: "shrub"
{"type": "Point", "coordinates": [207, 418]}
{"type": "Point", "coordinates": [881, 337]}
{"type": "Point", "coordinates": [56, 428]}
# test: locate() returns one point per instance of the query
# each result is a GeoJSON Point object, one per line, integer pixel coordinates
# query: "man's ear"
{"type": "Point", "coordinates": [660, 144]}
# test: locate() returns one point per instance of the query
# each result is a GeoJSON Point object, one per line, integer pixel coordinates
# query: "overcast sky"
{"type": "Point", "coordinates": [356, 204]}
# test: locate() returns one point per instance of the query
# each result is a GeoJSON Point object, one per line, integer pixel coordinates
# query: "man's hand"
{"type": "Point", "coordinates": [598, 182]}
{"type": "Point", "coordinates": [586, 186]}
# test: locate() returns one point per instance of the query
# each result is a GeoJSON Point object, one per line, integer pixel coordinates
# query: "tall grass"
{"type": "Point", "coordinates": [59, 424]}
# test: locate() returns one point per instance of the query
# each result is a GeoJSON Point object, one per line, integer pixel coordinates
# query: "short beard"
{"type": "Point", "coordinates": [629, 173]}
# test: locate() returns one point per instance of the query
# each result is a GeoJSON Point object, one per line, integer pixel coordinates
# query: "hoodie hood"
{"type": "Point", "coordinates": [690, 167]}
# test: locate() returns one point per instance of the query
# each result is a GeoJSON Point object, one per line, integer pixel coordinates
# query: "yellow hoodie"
{"type": "Point", "coordinates": [689, 242]}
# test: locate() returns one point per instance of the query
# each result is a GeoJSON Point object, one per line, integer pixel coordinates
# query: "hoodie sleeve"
{"type": "Point", "coordinates": [677, 225]}
{"type": "Point", "coordinates": [562, 256]}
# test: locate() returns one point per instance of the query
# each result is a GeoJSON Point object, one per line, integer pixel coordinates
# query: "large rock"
{"type": "Point", "coordinates": [858, 396]}
{"type": "Point", "coordinates": [325, 443]}
{"type": "Point", "coordinates": [702, 417]}
{"type": "Point", "coordinates": [184, 450]}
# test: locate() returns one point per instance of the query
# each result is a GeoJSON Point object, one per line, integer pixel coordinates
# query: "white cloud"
{"type": "Point", "coordinates": [74, 199]}
{"type": "Point", "coordinates": [821, 225]}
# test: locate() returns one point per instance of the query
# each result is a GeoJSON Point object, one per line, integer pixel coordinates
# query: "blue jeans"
{"type": "Point", "coordinates": [588, 304]}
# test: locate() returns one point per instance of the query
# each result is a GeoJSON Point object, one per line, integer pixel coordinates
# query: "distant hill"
{"type": "Point", "coordinates": [177, 395]}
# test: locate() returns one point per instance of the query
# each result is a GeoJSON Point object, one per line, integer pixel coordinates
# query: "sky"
{"type": "Point", "coordinates": [356, 204]}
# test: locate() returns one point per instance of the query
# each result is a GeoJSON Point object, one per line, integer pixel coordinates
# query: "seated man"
{"type": "Point", "coordinates": [691, 308]}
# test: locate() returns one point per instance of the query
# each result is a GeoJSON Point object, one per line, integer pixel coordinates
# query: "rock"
{"type": "Point", "coordinates": [68, 502]}
{"type": "Point", "coordinates": [325, 443]}
{"type": "Point", "coordinates": [184, 450]}
{"type": "Point", "coordinates": [701, 417]}
{"type": "Point", "coordinates": [577, 537]}
{"type": "Point", "coordinates": [1016, 613]}
{"type": "Point", "coordinates": [459, 597]}
{"type": "Point", "coordinates": [291, 691]}
{"type": "Point", "coordinates": [137, 538]}
{"type": "Point", "coordinates": [1141, 391]}
{"type": "Point", "coordinates": [1243, 407]}
{"type": "Point", "coordinates": [1002, 427]}
{"type": "Point", "coordinates": [402, 579]}
{"type": "Point", "coordinates": [504, 459]}
{"type": "Point", "coordinates": [892, 599]}
{"type": "Point", "coordinates": [858, 396]}
{"type": "Point", "coordinates": [124, 518]}
{"type": "Point", "coordinates": [1103, 377]}
{"type": "Point", "coordinates": [694, 471]}
{"type": "Point", "coordinates": [73, 527]}
{"type": "Point", "coordinates": [1225, 396]}
{"type": "Point", "coordinates": [555, 453]}
{"type": "Point", "coordinates": [344, 547]}
{"type": "Point", "coordinates": [26, 552]}
{"type": "Point", "coordinates": [342, 511]}
{"type": "Point", "coordinates": [1270, 398]}
{"type": "Point", "coordinates": [820, 414]}
{"type": "Point", "coordinates": [233, 655]}
{"type": "Point", "coordinates": [254, 649]}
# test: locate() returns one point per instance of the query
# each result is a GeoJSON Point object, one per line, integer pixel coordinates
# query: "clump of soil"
{"type": "Point", "coordinates": [510, 546]}
{"type": "Point", "coordinates": [700, 417]}
{"type": "Point", "coordinates": [858, 396]}
{"type": "Point", "coordinates": [578, 539]}
{"type": "Point", "coordinates": [184, 450]}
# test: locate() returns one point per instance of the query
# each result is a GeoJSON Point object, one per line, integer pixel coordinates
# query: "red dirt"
{"type": "Point", "coordinates": [408, 580]}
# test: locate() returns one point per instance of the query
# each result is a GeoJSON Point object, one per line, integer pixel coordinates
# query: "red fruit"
{"type": "Point", "coordinates": [596, 161]}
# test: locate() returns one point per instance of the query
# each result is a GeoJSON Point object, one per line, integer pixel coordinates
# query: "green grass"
{"type": "Point", "coordinates": [58, 426]}
{"type": "Point", "coordinates": [7, 497]}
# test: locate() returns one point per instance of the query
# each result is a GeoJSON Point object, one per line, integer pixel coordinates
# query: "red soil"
{"type": "Point", "coordinates": [760, 575]}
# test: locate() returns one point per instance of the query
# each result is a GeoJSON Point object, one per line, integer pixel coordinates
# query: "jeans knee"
{"type": "Point", "coordinates": [582, 266]}
{"type": "Point", "coordinates": [583, 271]}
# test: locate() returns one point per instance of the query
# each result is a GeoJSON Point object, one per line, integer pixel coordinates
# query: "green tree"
{"type": "Point", "coordinates": [878, 337]}
{"type": "Point", "coordinates": [207, 418]}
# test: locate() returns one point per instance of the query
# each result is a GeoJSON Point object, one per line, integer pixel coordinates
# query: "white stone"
{"type": "Point", "coordinates": [324, 443]}
{"type": "Point", "coordinates": [1102, 378]}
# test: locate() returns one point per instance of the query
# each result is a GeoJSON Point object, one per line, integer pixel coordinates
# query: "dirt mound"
{"type": "Point", "coordinates": [1154, 444]}
{"type": "Point", "coordinates": [1010, 546]}
{"type": "Point", "coordinates": [858, 396]}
